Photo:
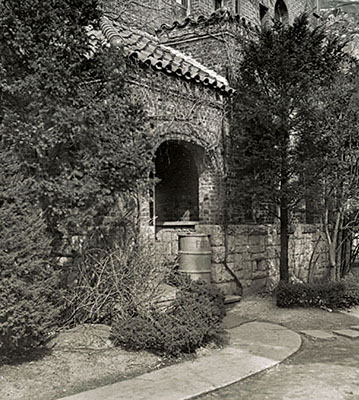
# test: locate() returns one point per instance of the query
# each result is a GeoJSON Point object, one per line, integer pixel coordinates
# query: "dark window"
{"type": "Point", "coordinates": [281, 12]}
{"type": "Point", "coordinates": [263, 13]}
{"type": "Point", "coordinates": [218, 4]}
{"type": "Point", "coordinates": [237, 6]}
{"type": "Point", "coordinates": [183, 3]}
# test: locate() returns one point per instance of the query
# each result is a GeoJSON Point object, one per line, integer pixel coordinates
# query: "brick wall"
{"type": "Point", "coordinates": [213, 45]}
{"type": "Point", "coordinates": [202, 7]}
{"type": "Point", "coordinates": [151, 14]}
{"type": "Point", "coordinates": [147, 14]}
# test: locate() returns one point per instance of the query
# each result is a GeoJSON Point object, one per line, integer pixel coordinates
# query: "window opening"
{"type": "Point", "coordinates": [183, 3]}
{"type": "Point", "coordinates": [281, 12]}
{"type": "Point", "coordinates": [218, 4]}
{"type": "Point", "coordinates": [263, 14]}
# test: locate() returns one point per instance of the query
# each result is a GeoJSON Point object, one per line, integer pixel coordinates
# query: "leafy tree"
{"type": "Point", "coordinates": [334, 117]}
{"type": "Point", "coordinates": [274, 160]}
{"type": "Point", "coordinates": [67, 112]}
{"type": "Point", "coordinates": [72, 141]}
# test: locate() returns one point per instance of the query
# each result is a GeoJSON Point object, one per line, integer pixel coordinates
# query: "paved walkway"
{"type": "Point", "coordinates": [253, 347]}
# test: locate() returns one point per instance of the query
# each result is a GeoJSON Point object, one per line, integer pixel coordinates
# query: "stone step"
{"type": "Point", "coordinates": [348, 333]}
{"type": "Point", "coordinates": [232, 299]}
{"type": "Point", "coordinates": [355, 327]}
{"type": "Point", "coordinates": [318, 334]}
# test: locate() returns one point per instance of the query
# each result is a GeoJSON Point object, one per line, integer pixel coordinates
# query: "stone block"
{"type": "Point", "coordinates": [218, 254]}
{"type": "Point", "coordinates": [174, 247]}
{"type": "Point", "coordinates": [262, 264]}
{"type": "Point", "coordinates": [273, 252]}
{"type": "Point", "coordinates": [238, 230]}
{"type": "Point", "coordinates": [260, 256]}
{"type": "Point", "coordinates": [242, 247]}
{"type": "Point", "coordinates": [256, 240]}
{"type": "Point", "coordinates": [348, 333]}
{"type": "Point", "coordinates": [217, 239]}
{"type": "Point", "coordinates": [255, 286]}
{"type": "Point", "coordinates": [220, 273]}
{"type": "Point", "coordinates": [259, 275]}
{"type": "Point", "coordinates": [165, 236]}
{"type": "Point", "coordinates": [209, 229]}
{"type": "Point", "coordinates": [241, 261]}
{"type": "Point", "coordinates": [318, 334]}
{"type": "Point", "coordinates": [231, 243]}
{"type": "Point", "coordinates": [230, 258]}
{"type": "Point", "coordinates": [258, 230]}
{"type": "Point", "coordinates": [228, 288]}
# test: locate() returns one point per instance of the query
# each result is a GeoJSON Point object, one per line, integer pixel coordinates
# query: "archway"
{"type": "Point", "coordinates": [281, 12]}
{"type": "Point", "coordinates": [176, 191]}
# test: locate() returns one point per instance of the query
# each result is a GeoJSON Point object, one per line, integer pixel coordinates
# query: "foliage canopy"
{"type": "Point", "coordinates": [67, 112]}
{"type": "Point", "coordinates": [274, 160]}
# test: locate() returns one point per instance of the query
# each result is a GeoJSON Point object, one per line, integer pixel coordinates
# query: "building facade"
{"type": "Point", "coordinates": [185, 48]}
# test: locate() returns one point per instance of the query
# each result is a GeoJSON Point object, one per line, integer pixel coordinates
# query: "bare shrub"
{"type": "Point", "coordinates": [123, 281]}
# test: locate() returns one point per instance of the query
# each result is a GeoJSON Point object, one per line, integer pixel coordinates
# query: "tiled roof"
{"type": "Point", "coordinates": [220, 15]}
{"type": "Point", "coordinates": [147, 49]}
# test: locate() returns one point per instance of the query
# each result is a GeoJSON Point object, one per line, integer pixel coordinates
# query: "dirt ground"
{"type": "Point", "coordinates": [83, 358]}
{"type": "Point", "coordinates": [79, 359]}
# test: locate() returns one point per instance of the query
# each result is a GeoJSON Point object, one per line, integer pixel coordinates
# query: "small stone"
{"type": "Point", "coordinates": [348, 333]}
{"type": "Point", "coordinates": [318, 334]}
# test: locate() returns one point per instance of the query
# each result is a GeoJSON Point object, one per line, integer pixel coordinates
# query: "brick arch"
{"type": "Point", "coordinates": [187, 187]}
{"type": "Point", "coordinates": [212, 152]}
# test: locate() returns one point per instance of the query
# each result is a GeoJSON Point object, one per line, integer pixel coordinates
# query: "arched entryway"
{"type": "Point", "coordinates": [281, 12]}
{"type": "Point", "coordinates": [176, 195]}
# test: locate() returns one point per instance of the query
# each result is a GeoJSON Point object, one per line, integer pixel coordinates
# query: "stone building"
{"type": "Point", "coordinates": [184, 48]}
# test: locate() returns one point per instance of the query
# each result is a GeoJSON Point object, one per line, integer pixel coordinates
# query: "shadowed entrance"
{"type": "Point", "coordinates": [176, 193]}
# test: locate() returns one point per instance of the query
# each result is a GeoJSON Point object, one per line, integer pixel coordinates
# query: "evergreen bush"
{"type": "Point", "coordinates": [191, 321]}
{"type": "Point", "coordinates": [29, 284]}
{"type": "Point", "coordinates": [333, 295]}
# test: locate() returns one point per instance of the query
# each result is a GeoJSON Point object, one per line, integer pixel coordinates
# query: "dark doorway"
{"type": "Point", "coordinates": [176, 192]}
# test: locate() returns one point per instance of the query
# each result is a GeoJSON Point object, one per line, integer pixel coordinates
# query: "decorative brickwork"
{"type": "Point", "coordinates": [190, 117]}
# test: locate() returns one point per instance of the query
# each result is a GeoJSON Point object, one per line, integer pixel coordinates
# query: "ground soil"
{"type": "Point", "coordinates": [83, 358]}
{"type": "Point", "coordinates": [76, 360]}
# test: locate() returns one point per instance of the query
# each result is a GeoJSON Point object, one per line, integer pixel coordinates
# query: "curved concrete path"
{"type": "Point", "coordinates": [253, 347]}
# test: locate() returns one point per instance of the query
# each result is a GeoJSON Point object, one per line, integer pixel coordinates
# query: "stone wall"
{"type": "Point", "coordinates": [252, 252]}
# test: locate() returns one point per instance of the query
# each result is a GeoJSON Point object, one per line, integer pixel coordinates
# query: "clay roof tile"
{"type": "Point", "coordinates": [150, 52]}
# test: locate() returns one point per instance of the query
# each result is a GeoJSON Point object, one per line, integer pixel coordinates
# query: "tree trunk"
{"type": "Point", "coordinates": [333, 260]}
{"type": "Point", "coordinates": [284, 240]}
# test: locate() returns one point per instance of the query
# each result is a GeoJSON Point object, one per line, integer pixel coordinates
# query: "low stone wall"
{"type": "Point", "coordinates": [252, 252]}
